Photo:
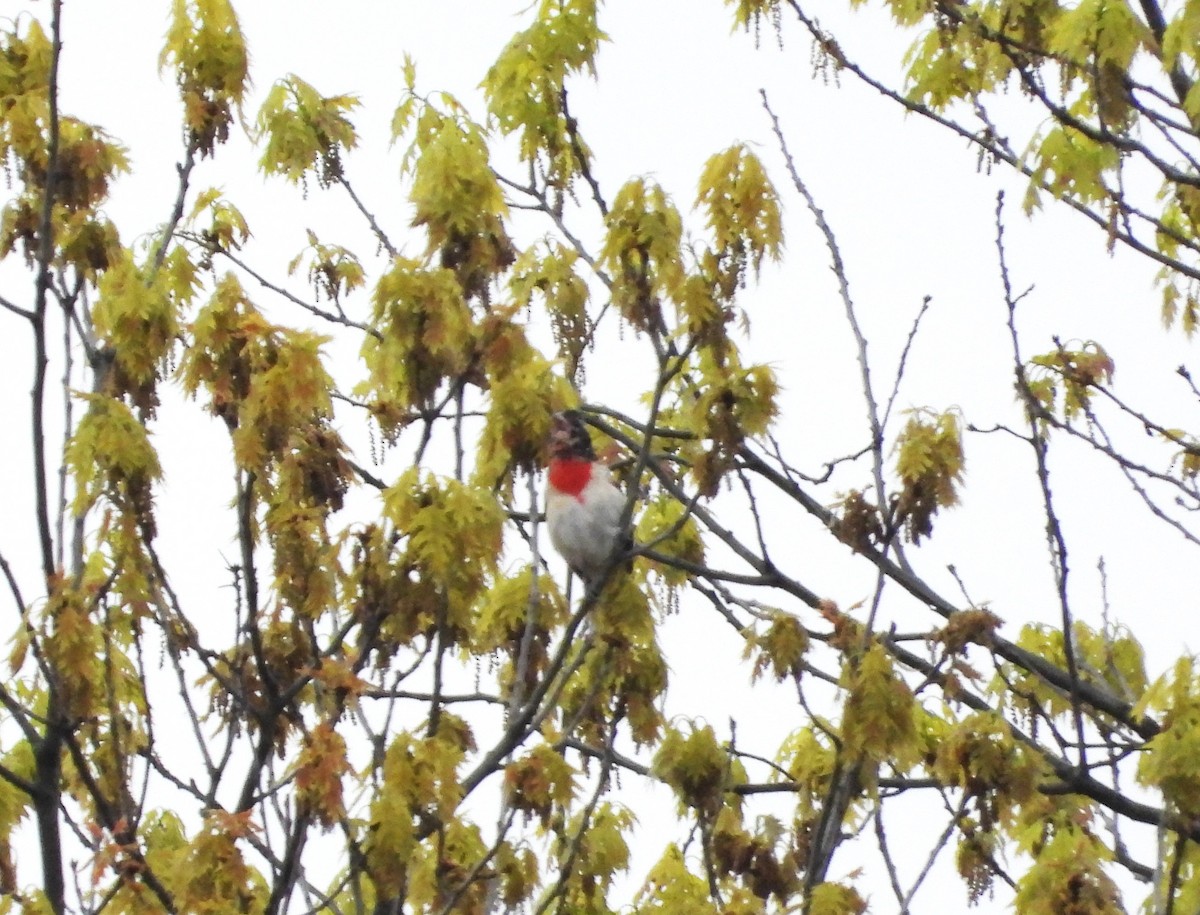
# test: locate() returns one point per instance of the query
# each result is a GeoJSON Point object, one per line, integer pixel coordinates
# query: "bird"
{"type": "Point", "coordinates": [584, 507]}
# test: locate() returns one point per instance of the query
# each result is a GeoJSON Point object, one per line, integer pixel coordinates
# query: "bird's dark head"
{"type": "Point", "coordinates": [569, 437]}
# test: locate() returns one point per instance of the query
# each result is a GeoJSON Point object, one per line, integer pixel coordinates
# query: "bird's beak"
{"type": "Point", "coordinates": [560, 430]}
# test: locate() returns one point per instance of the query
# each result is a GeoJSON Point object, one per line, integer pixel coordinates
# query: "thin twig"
{"type": "Point", "coordinates": [1054, 533]}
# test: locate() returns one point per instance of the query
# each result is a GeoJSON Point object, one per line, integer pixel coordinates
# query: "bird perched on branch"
{"type": "Point", "coordinates": [583, 505]}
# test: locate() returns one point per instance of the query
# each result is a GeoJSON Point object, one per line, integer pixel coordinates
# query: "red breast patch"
{"type": "Point", "coordinates": [570, 475]}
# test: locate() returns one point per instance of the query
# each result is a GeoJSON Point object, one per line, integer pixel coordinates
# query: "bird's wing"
{"type": "Point", "coordinates": [610, 500]}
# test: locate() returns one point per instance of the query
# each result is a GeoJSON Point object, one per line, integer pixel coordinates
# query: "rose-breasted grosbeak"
{"type": "Point", "coordinates": [583, 505]}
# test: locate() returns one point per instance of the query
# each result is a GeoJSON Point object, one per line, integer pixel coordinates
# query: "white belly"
{"type": "Point", "coordinates": [583, 530]}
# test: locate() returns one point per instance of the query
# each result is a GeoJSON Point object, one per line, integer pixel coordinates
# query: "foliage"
{"type": "Point", "coordinates": [390, 703]}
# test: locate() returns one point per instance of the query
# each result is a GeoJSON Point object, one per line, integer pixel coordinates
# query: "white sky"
{"type": "Point", "coordinates": [913, 218]}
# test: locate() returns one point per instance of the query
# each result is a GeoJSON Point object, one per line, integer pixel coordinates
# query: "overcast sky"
{"type": "Point", "coordinates": [913, 215]}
